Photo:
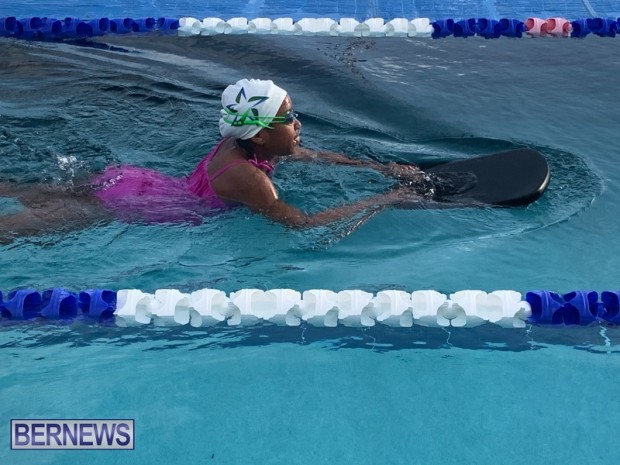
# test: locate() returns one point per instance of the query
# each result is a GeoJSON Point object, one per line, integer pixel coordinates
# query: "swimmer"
{"type": "Point", "coordinates": [259, 127]}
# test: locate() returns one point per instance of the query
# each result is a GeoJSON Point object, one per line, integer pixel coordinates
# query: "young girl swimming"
{"type": "Point", "coordinates": [259, 127]}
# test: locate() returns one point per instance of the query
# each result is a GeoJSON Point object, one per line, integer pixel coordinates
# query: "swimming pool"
{"type": "Point", "coordinates": [307, 394]}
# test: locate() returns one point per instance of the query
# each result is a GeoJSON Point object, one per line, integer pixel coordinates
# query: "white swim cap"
{"type": "Point", "coordinates": [249, 106]}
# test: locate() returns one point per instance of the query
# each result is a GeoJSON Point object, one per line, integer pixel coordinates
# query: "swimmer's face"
{"type": "Point", "coordinates": [284, 137]}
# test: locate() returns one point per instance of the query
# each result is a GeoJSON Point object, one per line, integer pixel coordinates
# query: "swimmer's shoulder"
{"type": "Point", "coordinates": [240, 181]}
{"type": "Point", "coordinates": [225, 154]}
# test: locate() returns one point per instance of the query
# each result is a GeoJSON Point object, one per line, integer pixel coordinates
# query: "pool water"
{"type": "Point", "coordinates": [303, 395]}
{"type": "Point", "coordinates": [68, 111]}
{"type": "Point", "coordinates": [262, 397]}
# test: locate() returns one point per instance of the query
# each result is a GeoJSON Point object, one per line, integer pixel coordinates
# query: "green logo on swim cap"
{"type": "Point", "coordinates": [250, 116]}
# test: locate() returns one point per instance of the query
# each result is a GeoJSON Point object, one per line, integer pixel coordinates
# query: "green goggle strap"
{"type": "Point", "coordinates": [251, 120]}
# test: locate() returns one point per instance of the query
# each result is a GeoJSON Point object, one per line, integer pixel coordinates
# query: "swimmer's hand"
{"type": "Point", "coordinates": [406, 175]}
{"type": "Point", "coordinates": [406, 198]}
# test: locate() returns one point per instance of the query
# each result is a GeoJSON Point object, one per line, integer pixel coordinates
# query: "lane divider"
{"type": "Point", "coordinates": [315, 307]}
{"type": "Point", "coordinates": [44, 28]}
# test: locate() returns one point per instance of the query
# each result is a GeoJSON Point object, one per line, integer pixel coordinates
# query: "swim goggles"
{"type": "Point", "coordinates": [251, 117]}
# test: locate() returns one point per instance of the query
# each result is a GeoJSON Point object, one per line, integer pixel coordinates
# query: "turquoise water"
{"type": "Point", "coordinates": [300, 395]}
{"type": "Point", "coordinates": [236, 397]}
{"type": "Point", "coordinates": [68, 111]}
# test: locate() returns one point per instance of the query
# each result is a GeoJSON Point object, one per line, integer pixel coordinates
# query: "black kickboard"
{"type": "Point", "coordinates": [511, 178]}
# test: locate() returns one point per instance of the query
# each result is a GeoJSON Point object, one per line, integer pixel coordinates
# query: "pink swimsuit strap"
{"type": "Point", "coordinates": [199, 182]}
{"type": "Point", "coordinates": [261, 165]}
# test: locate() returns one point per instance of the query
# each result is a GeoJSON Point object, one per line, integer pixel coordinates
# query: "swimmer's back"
{"type": "Point", "coordinates": [133, 193]}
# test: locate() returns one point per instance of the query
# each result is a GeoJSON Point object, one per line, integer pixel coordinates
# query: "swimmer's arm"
{"type": "Point", "coordinates": [393, 170]}
{"type": "Point", "coordinates": [304, 154]}
{"type": "Point", "coordinates": [281, 212]}
{"type": "Point", "coordinates": [252, 188]}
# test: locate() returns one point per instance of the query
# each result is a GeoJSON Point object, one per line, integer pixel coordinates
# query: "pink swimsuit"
{"type": "Point", "coordinates": [142, 194]}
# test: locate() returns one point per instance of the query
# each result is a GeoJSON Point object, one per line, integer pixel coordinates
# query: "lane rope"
{"type": "Point", "coordinates": [52, 29]}
{"type": "Point", "coordinates": [315, 307]}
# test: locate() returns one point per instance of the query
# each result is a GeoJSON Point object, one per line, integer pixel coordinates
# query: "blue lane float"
{"type": "Point", "coordinates": [611, 306]}
{"type": "Point", "coordinates": [512, 27]}
{"type": "Point", "coordinates": [143, 25]}
{"type": "Point", "coordinates": [580, 28]}
{"type": "Point", "coordinates": [443, 28]}
{"type": "Point", "coordinates": [484, 27]}
{"type": "Point", "coordinates": [22, 304]}
{"type": "Point", "coordinates": [574, 308]}
{"type": "Point", "coordinates": [318, 307]}
{"type": "Point", "coordinates": [122, 25]}
{"type": "Point", "coordinates": [603, 27]}
{"type": "Point", "coordinates": [58, 304]}
{"type": "Point", "coordinates": [44, 28]}
{"type": "Point", "coordinates": [97, 304]}
{"type": "Point", "coordinates": [464, 28]}
{"type": "Point", "coordinates": [489, 28]}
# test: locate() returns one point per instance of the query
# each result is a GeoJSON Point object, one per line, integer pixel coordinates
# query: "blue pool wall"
{"type": "Point", "coordinates": [334, 9]}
